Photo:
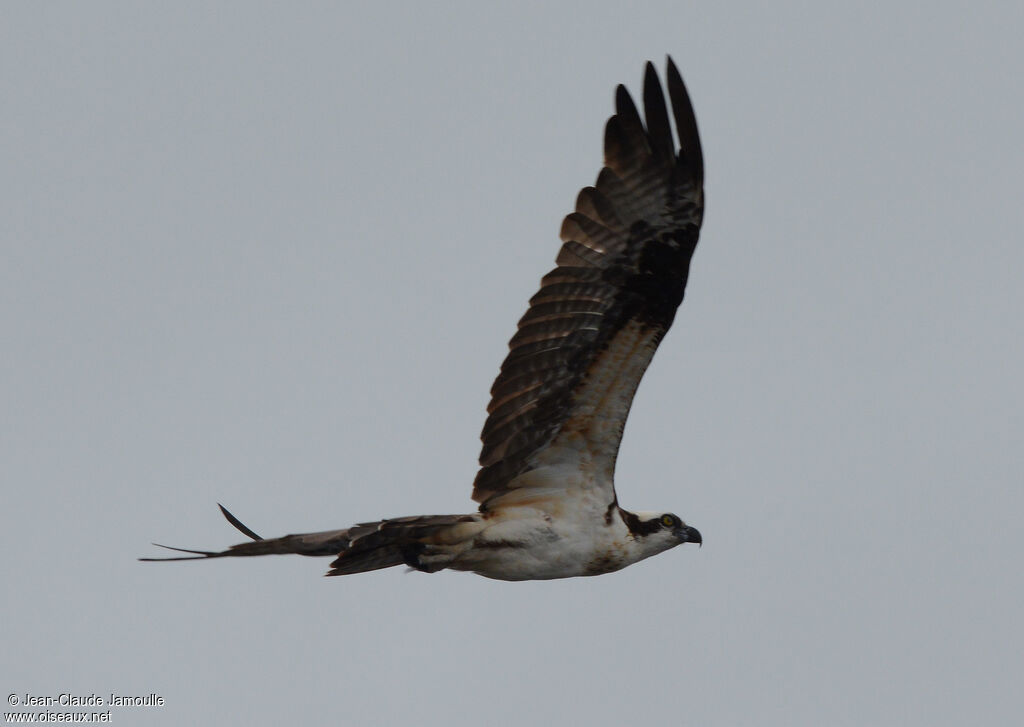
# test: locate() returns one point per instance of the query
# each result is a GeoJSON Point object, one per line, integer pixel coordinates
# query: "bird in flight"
{"type": "Point", "coordinates": [546, 493]}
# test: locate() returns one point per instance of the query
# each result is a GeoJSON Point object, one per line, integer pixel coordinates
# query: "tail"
{"type": "Point", "coordinates": [360, 548]}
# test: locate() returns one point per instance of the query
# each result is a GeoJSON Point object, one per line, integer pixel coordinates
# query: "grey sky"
{"type": "Point", "coordinates": [271, 256]}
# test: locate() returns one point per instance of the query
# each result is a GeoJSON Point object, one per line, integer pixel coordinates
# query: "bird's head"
{"type": "Point", "coordinates": [655, 532]}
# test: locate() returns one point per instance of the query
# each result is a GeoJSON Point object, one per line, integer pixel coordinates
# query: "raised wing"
{"type": "Point", "coordinates": [566, 386]}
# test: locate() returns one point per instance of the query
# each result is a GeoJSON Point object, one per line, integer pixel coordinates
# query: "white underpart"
{"type": "Point", "coordinates": [571, 533]}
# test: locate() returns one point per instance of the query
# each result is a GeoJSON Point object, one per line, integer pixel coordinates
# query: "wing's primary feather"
{"type": "Point", "coordinates": [591, 330]}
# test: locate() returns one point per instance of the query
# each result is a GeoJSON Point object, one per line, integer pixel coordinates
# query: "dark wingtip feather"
{"type": "Point", "coordinates": [198, 554]}
{"type": "Point", "coordinates": [658, 130]}
{"type": "Point", "coordinates": [203, 554]}
{"type": "Point", "coordinates": [616, 142]}
{"type": "Point", "coordinates": [239, 525]}
{"type": "Point", "coordinates": [686, 121]}
{"type": "Point", "coordinates": [625, 143]}
{"type": "Point", "coordinates": [624, 105]}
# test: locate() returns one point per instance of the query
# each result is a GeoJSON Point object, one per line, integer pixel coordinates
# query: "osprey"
{"type": "Point", "coordinates": [547, 502]}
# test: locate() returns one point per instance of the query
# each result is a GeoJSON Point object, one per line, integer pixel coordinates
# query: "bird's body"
{"type": "Point", "coordinates": [548, 507]}
{"type": "Point", "coordinates": [532, 544]}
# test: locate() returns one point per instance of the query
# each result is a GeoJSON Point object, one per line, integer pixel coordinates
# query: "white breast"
{"type": "Point", "coordinates": [525, 543]}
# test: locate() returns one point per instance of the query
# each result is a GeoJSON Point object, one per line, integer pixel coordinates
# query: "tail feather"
{"type": "Point", "coordinates": [395, 541]}
{"type": "Point", "coordinates": [360, 548]}
{"type": "Point", "coordinates": [384, 557]}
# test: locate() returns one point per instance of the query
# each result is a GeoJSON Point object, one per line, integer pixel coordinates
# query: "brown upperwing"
{"type": "Point", "coordinates": [590, 332]}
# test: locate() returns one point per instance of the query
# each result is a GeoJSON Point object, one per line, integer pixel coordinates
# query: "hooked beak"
{"type": "Point", "coordinates": [689, 535]}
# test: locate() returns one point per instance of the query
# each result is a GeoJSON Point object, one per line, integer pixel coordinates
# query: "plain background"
{"type": "Point", "coordinates": [270, 255]}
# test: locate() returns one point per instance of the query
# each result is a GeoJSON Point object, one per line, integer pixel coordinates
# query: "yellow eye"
{"type": "Point", "coordinates": [668, 520]}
